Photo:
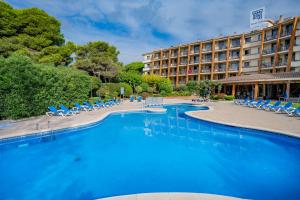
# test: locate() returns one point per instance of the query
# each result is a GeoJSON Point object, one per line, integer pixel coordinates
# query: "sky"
{"type": "Point", "coordinates": [137, 27]}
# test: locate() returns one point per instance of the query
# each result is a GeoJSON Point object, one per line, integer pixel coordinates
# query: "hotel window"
{"type": "Point", "coordinates": [248, 39]}
{"type": "Point", "coordinates": [247, 64]}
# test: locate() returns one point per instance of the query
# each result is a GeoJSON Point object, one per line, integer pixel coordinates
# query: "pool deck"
{"type": "Point", "coordinates": [220, 112]}
{"type": "Point", "coordinates": [236, 115]}
{"type": "Point", "coordinates": [171, 196]}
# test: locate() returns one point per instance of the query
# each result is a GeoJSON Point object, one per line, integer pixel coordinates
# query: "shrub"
{"type": "Point", "coordinates": [145, 87]}
{"type": "Point", "coordinates": [163, 93]}
{"type": "Point", "coordinates": [229, 97]}
{"type": "Point", "coordinates": [192, 86]}
{"type": "Point", "coordinates": [27, 89]}
{"type": "Point", "coordinates": [138, 89]}
{"type": "Point", "coordinates": [127, 89]}
{"type": "Point", "coordinates": [182, 88]}
{"type": "Point", "coordinates": [150, 89]}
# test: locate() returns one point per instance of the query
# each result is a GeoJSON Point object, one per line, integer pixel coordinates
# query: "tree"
{"type": "Point", "coordinates": [130, 77]}
{"type": "Point", "coordinates": [98, 59]}
{"type": "Point", "coordinates": [31, 29]}
{"type": "Point", "coordinates": [134, 67]}
{"type": "Point", "coordinates": [158, 83]}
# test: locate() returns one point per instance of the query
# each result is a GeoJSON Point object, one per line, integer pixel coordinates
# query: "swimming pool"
{"type": "Point", "coordinates": [141, 152]}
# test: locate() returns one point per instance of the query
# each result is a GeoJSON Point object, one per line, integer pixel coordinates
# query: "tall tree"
{"type": "Point", "coordinates": [98, 59]}
{"type": "Point", "coordinates": [134, 67]}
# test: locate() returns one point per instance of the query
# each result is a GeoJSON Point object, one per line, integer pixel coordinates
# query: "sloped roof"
{"type": "Point", "coordinates": [267, 77]}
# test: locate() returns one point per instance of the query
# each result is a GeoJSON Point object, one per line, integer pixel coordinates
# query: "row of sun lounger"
{"type": "Point", "coordinates": [132, 98]}
{"type": "Point", "coordinates": [277, 107]}
{"type": "Point", "coordinates": [86, 106]}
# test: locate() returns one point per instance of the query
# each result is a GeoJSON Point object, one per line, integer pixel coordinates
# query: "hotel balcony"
{"type": "Point", "coordinates": [270, 37]}
{"type": "Point", "coordinates": [155, 66]}
{"type": "Point", "coordinates": [235, 45]}
{"type": "Point", "coordinates": [194, 62]}
{"type": "Point", "coordinates": [195, 51]}
{"type": "Point", "coordinates": [282, 63]}
{"type": "Point", "coordinates": [284, 48]}
{"type": "Point", "coordinates": [173, 65]}
{"type": "Point", "coordinates": [184, 53]}
{"type": "Point", "coordinates": [220, 47]}
{"type": "Point", "coordinates": [268, 51]}
{"type": "Point", "coordinates": [183, 63]}
{"type": "Point", "coordinates": [173, 73]}
{"type": "Point", "coordinates": [220, 69]}
{"type": "Point", "coordinates": [163, 74]}
{"type": "Point", "coordinates": [267, 65]}
{"type": "Point", "coordinates": [182, 73]}
{"type": "Point", "coordinates": [192, 72]}
{"type": "Point", "coordinates": [286, 33]}
{"type": "Point", "coordinates": [251, 56]}
{"type": "Point", "coordinates": [206, 60]}
{"type": "Point", "coordinates": [174, 55]}
{"type": "Point", "coordinates": [220, 59]}
{"type": "Point", "coordinates": [206, 70]}
{"type": "Point", "coordinates": [165, 56]}
{"type": "Point", "coordinates": [156, 57]}
{"type": "Point", "coordinates": [164, 65]}
{"type": "Point", "coordinates": [253, 43]}
{"type": "Point", "coordinates": [207, 49]}
{"type": "Point", "coordinates": [234, 57]}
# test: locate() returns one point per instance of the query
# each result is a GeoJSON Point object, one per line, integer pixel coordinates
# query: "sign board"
{"type": "Point", "coordinates": [257, 18]}
{"type": "Point", "coordinates": [122, 91]}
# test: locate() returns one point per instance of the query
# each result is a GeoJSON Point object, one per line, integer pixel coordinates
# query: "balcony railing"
{"type": "Point", "coordinates": [221, 58]}
{"type": "Point", "coordinates": [220, 69]}
{"type": "Point", "coordinates": [174, 55]}
{"type": "Point", "coordinates": [285, 33]}
{"type": "Point", "coordinates": [233, 45]}
{"type": "Point", "coordinates": [194, 61]}
{"type": "Point", "coordinates": [234, 57]}
{"type": "Point", "coordinates": [165, 55]}
{"type": "Point", "coordinates": [173, 64]}
{"type": "Point", "coordinates": [183, 63]}
{"type": "Point", "coordinates": [182, 73]}
{"type": "Point", "coordinates": [156, 67]}
{"type": "Point", "coordinates": [205, 70]}
{"type": "Point", "coordinates": [282, 63]}
{"type": "Point", "coordinates": [220, 47]}
{"type": "Point", "coordinates": [193, 71]}
{"type": "Point", "coordinates": [206, 60]}
{"type": "Point", "coordinates": [165, 65]}
{"type": "Point", "coordinates": [284, 47]}
{"type": "Point", "coordinates": [233, 68]}
{"type": "Point", "coordinates": [206, 49]}
{"type": "Point", "coordinates": [269, 51]}
{"type": "Point", "coordinates": [270, 37]}
{"type": "Point", "coordinates": [267, 65]}
{"type": "Point", "coordinates": [184, 53]}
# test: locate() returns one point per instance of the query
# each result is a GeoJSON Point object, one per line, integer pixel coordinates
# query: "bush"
{"type": "Point", "coordinates": [192, 86]}
{"type": "Point", "coordinates": [145, 87]}
{"type": "Point", "coordinates": [127, 89]}
{"type": "Point", "coordinates": [163, 93]}
{"type": "Point", "coordinates": [27, 89]}
{"type": "Point", "coordinates": [150, 89]}
{"type": "Point", "coordinates": [182, 88]}
{"type": "Point", "coordinates": [229, 97]}
{"type": "Point", "coordinates": [138, 89]}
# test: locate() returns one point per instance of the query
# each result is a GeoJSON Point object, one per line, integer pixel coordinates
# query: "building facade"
{"type": "Point", "coordinates": [275, 49]}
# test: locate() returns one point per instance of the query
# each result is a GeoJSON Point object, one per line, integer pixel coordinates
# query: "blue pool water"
{"type": "Point", "coordinates": [147, 152]}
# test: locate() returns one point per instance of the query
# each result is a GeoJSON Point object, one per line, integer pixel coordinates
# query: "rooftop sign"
{"type": "Point", "coordinates": [257, 18]}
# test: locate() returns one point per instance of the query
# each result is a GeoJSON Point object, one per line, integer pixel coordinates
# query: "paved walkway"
{"type": "Point", "coordinates": [231, 114]}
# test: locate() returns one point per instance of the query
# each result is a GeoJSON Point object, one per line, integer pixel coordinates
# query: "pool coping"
{"type": "Point", "coordinates": [171, 196]}
{"type": "Point", "coordinates": [269, 130]}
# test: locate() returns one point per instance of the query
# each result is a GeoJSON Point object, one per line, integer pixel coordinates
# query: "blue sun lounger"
{"type": "Point", "coordinates": [283, 108]}
{"type": "Point", "coordinates": [264, 104]}
{"type": "Point", "coordinates": [274, 106]}
{"type": "Point", "coordinates": [255, 103]}
{"type": "Point", "coordinates": [293, 111]}
{"type": "Point", "coordinates": [80, 107]}
{"type": "Point", "coordinates": [67, 110]}
{"type": "Point", "coordinates": [131, 99]}
{"type": "Point", "coordinates": [139, 99]}
{"type": "Point", "coordinates": [89, 106]}
{"type": "Point", "coordinates": [54, 112]}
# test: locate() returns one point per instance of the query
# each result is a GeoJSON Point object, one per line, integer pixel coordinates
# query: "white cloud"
{"type": "Point", "coordinates": [185, 21]}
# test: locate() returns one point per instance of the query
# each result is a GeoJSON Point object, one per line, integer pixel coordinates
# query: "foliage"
{"type": "Point", "coordinates": [27, 89]}
{"type": "Point", "coordinates": [130, 77]}
{"type": "Point", "coordinates": [229, 97]}
{"type": "Point", "coordinates": [98, 59]}
{"type": "Point", "coordinates": [144, 86]}
{"type": "Point", "coordinates": [31, 29]}
{"type": "Point", "coordinates": [134, 67]}
{"type": "Point", "coordinates": [192, 86]}
{"type": "Point", "coordinates": [138, 89]}
{"type": "Point", "coordinates": [208, 87]}
{"type": "Point", "coordinates": [157, 83]}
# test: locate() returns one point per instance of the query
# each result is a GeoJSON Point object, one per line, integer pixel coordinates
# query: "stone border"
{"type": "Point", "coordinates": [272, 131]}
{"type": "Point", "coordinates": [171, 196]}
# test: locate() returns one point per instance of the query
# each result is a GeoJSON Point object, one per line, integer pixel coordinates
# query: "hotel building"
{"type": "Point", "coordinates": [260, 63]}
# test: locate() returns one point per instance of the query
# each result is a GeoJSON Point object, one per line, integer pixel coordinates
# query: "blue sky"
{"type": "Point", "coordinates": [136, 27]}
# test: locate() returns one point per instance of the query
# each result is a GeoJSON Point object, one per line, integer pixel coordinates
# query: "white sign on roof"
{"type": "Point", "coordinates": [257, 18]}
